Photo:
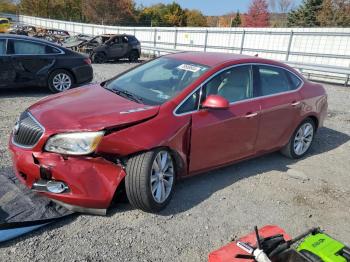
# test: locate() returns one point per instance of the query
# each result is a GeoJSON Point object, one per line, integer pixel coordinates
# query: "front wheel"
{"type": "Point", "coordinates": [301, 140]}
{"type": "Point", "coordinates": [99, 58]}
{"type": "Point", "coordinates": [150, 180]}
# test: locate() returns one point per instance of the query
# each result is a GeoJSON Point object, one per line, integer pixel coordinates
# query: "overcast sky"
{"type": "Point", "coordinates": [208, 7]}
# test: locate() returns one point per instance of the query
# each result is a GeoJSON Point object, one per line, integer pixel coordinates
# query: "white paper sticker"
{"type": "Point", "coordinates": [190, 68]}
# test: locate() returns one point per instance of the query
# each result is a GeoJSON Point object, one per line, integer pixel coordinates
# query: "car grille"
{"type": "Point", "coordinates": [28, 131]}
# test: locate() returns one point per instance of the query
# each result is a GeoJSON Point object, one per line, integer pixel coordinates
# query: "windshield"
{"type": "Point", "coordinates": [158, 81]}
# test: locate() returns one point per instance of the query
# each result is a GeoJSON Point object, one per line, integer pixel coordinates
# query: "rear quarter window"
{"type": "Point", "coordinates": [52, 50]}
{"type": "Point", "coordinates": [295, 81]}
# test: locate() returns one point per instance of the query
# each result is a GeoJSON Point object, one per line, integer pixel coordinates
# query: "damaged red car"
{"type": "Point", "coordinates": [170, 118]}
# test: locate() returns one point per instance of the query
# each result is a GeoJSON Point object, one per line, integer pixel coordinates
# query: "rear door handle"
{"type": "Point", "coordinates": [296, 103]}
{"type": "Point", "coordinates": [250, 115]}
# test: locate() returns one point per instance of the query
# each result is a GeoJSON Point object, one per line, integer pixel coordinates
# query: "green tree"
{"type": "Point", "coordinates": [306, 14]}
{"type": "Point", "coordinates": [8, 6]}
{"type": "Point", "coordinates": [195, 18]}
{"type": "Point", "coordinates": [237, 21]}
{"type": "Point", "coordinates": [57, 9]}
{"type": "Point", "coordinates": [175, 15]}
{"type": "Point", "coordinates": [162, 15]}
{"type": "Point", "coordinates": [152, 16]}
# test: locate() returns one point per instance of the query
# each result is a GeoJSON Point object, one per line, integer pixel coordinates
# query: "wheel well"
{"type": "Point", "coordinates": [120, 194]}
{"type": "Point", "coordinates": [315, 120]}
{"type": "Point", "coordinates": [103, 52]}
{"type": "Point", "coordinates": [180, 164]}
{"type": "Point", "coordinates": [68, 70]}
{"type": "Point", "coordinates": [135, 50]}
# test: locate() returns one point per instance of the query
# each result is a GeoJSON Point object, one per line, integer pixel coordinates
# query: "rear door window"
{"type": "Point", "coordinates": [274, 80]}
{"type": "Point", "coordinates": [28, 48]}
{"type": "Point", "coordinates": [2, 46]}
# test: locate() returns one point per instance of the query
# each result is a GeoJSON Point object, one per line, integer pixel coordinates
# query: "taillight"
{"type": "Point", "coordinates": [87, 61]}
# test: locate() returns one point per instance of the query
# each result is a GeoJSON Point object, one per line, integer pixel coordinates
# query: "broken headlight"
{"type": "Point", "coordinates": [82, 143]}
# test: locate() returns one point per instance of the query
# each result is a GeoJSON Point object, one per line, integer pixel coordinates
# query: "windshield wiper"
{"type": "Point", "coordinates": [128, 95]}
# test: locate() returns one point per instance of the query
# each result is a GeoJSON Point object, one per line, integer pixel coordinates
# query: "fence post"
{"type": "Point", "coordinates": [155, 38]}
{"type": "Point", "coordinates": [206, 40]}
{"type": "Point", "coordinates": [289, 44]}
{"type": "Point", "coordinates": [175, 40]}
{"type": "Point", "coordinates": [242, 42]}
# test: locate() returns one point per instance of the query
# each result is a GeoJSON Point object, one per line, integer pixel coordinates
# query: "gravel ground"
{"type": "Point", "coordinates": [207, 211]}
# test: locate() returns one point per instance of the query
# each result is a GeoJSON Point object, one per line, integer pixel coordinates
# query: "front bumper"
{"type": "Point", "coordinates": [92, 181]}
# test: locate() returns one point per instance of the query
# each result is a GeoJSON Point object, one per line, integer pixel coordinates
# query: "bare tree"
{"type": "Point", "coordinates": [281, 6]}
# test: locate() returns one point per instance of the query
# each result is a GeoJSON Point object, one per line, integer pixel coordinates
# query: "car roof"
{"type": "Point", "coordinates": [212, 59]}
{"type": "Point", "coordinates": [23, 37]}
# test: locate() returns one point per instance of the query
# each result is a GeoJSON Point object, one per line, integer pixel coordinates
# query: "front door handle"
{"type": "Point", "coordinates": [296, 103]}
{"type": "Point", "coordinates": [250, 115]}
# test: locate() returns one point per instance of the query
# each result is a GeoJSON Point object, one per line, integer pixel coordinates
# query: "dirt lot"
{"type": "Point", "coordinates": [208, 210]}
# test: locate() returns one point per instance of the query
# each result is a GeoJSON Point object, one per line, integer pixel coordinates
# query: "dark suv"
{"type": "Point", "coordinates": [116, 47]}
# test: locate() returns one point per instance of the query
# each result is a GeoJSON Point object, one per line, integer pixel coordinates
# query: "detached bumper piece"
{"type": "Point", "coordinates": [23, 211]}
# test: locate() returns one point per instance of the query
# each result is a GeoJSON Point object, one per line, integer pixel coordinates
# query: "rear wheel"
{"type": "Point", "coordinates": [60, 80]}
{"type": "Point", "coordinates": [99, 58]}
{"type": "Point", "coordinates": [301, 140]}
{"type": "Point", "coordinates": [150, 180]}
{"type": "Point", "coordinates": [134, 56]}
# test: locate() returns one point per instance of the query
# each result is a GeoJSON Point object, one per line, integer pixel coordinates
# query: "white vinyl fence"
{"type": "Point", "coordinates": [319, 48]}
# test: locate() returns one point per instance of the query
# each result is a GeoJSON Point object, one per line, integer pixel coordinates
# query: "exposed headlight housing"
{"type": "Point", "coordinates": [82, 143]}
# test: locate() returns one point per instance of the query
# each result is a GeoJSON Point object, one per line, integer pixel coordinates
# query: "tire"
{"type": "Point", "coordinates": [301, 140]}
{"type": "Point", "coordinates": [60, 80]}
{"type": "Point", "coordinates": [145, 186]}
{"type": "Point", "coordinates": [134, 56]}
{"type": "Point", "coordinates": [99, 58]}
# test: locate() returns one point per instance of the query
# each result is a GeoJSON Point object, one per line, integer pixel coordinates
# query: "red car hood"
{"type": "Point", "coordinates": [88, 109]}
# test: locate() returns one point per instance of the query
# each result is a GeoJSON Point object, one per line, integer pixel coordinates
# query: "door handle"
{"type": "Point", "coordinates": [296, 103]}
{"type": "Point", "coordinates": [250, 115]}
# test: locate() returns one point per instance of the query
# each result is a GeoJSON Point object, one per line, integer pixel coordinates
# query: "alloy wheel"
{"type": "Point", "coordinates": [303, 139]}
{"type": "Point", "coordinates": [162, 176]}
{"type": "Point", "coordinates": [62, 82]}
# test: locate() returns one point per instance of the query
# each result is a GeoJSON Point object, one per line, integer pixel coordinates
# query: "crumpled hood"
{"type": "Point", "coordinates": [88, 108]}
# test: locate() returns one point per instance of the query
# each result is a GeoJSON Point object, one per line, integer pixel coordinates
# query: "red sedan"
{"type": "Point", "coordinates": [175, 116]}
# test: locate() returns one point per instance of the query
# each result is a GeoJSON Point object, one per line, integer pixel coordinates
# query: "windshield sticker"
{"type": "Point", "coordinates": [163, 96]}
{"type": "Point", "coordinates": [190, 68]}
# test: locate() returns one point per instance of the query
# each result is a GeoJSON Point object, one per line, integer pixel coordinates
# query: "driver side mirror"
{"type": "Point", "coordinates": [215, 102]}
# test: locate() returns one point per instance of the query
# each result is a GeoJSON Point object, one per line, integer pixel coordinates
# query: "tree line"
{"type": "Point", "coordinates": [261, 13]}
